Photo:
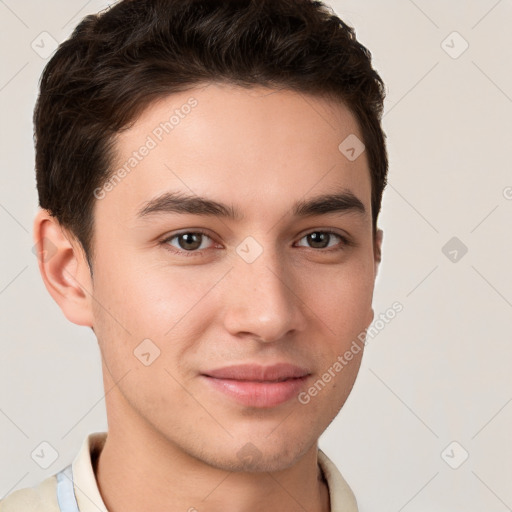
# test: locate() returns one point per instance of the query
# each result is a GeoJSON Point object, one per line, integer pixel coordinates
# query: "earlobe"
{"type": "Point", "coordinates": [64, 268]}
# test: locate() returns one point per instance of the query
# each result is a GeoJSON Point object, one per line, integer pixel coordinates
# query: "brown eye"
{"type": "Point", "coordinates": [188, 243]}
{"type": "Point", "coordinates": [321, 239]}
{"type": "Point", "coordinates": [318, 240]}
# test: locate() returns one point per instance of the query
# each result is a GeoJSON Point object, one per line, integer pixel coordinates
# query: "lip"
{"type": "Point", "coordinates": [258, 386]}
{"type": "Point", "coordinates": [256, 372]}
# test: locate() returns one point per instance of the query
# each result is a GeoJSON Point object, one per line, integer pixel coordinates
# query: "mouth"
{"type": "Point", "coordinates": [259, 373]}
{"type": "Point", "coordinates": [258, 386]}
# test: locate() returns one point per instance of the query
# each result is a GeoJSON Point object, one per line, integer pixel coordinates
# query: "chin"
{"type": "Point", "coordinates": [260, 456]}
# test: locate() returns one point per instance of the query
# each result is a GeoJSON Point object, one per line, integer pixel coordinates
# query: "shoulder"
{"type": "Point", "coordinates": [40, 498]}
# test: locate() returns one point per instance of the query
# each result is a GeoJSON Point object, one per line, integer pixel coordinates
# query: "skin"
{"type": "Point", "coordinates": [260, 150]}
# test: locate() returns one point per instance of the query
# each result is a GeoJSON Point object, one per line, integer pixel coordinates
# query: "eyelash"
{"type": "Point", "coordinates": [165, 242]}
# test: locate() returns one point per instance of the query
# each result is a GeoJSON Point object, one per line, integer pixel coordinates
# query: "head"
{"type": "Point", "coordinates": [262, 108]}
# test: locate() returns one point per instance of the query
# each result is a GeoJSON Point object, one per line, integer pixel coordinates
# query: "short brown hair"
{"type": "Point", "coordinates": [120, 60]}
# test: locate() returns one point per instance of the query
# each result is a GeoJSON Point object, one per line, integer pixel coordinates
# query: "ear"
{"type": "Point", "coordinates": [377, 252]}
{"type": "Point", "coordinates": [377, 249]}
{"type": "Point", "coordinates": [64, 268]}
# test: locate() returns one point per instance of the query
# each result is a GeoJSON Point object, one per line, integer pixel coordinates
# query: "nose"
{"type": "Point", "coordinates": [262, 299]}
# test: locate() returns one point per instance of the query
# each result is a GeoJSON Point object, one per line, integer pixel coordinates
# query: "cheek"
{"type": "Point", "coordinates": [342, 299]}
{"type": "Point", "coordinates": [328, 392]}
{"type": "Point", "coordinates": [168, 306]}
{"type": "Point", "coordinates": [148, 299]}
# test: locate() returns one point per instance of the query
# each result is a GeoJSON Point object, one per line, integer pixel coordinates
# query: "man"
{"type": "Point", "coordinates": [210, 176]}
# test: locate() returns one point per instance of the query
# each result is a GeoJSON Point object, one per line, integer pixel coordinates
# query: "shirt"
{"type": "Point", "coordinates": [74, 488]}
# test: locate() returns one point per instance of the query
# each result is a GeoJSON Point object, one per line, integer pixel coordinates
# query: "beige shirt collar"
{"type": "Point", "coordinates": [89, 499]}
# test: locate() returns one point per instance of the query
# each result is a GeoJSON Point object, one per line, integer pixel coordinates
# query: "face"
{"type": "Point", "coordinates": [185, 289]}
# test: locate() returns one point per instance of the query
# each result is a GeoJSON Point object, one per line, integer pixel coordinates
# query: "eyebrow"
{"type": "Point", "coordinates": [179, 202]}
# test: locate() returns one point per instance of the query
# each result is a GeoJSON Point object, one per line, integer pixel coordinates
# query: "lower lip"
{"type": "Point", "coordinates": [259, 394]}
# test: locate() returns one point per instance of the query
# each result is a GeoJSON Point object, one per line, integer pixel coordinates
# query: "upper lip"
{"type": "Point", "coordinates": [254, 372]}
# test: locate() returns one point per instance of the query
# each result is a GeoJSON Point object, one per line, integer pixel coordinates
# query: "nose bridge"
{"type": "Point", "coordinates": [262, 300]}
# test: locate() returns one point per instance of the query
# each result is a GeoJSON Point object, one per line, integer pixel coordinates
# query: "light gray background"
{"type": "Point", "coordinates": [439, 372]}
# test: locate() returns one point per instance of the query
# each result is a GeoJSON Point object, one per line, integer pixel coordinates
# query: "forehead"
{"type": "Point", "coordinates": [252, 147]}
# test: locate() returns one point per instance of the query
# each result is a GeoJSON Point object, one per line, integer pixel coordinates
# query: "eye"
{"type": "Point", "coordinates": [318, 239]}
{"type": "Point", "coordinates": [188, 242]}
